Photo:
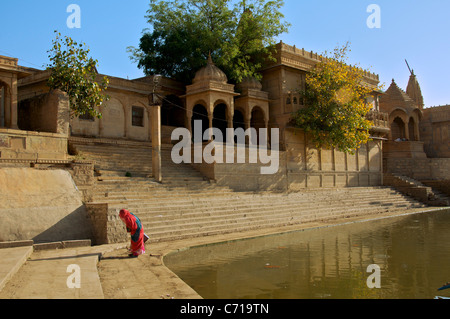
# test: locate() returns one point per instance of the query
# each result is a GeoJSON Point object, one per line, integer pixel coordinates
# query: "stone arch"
{"type": "Point", "coordinates": [190, 108]}
{"type": "Point", "coordinates": [258, 118]}
{"type": "Point", "coordinates": [399, 112]}
{"type": "Point", "coordinates": [412, 129]}
{"type": "Point", "coordinates": [173, 112]}
{"type": "Point", "coordinates": [113, 120]}
{"type": "Point", "coordinates": [86, 125]}
{"type": "Point", "coordinates": [220, 117]}
{"type": "Point", "coordinates": [257, 121]}
{"type": "Point", "coordinates": [417, 116]}
{"type": "Point", "coordinates": [398, 128]}
{"type": "Point", "coordinates": [199, 113]}
{"type": "Point", "coordinates": [239, 120]}
{"type": "Point", "coordinates": [5, 104]}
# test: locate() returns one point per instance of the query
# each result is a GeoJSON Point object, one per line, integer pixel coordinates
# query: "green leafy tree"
{"type": "Point", "coordinates": [74, 72]}
{"type": "Point", "coordinates": [335, 112]}
{"type": "Point", "coordinates": [184, 32]}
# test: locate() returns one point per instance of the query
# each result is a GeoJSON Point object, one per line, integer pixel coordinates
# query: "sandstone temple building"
{"type": "Point", "coordinates": [41, 141]}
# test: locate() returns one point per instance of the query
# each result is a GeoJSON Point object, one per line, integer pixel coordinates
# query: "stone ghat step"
{"type": "Point", "coordinates": [178, 219]}
{"type": "Point", "coordinates": [179, 170]}
{"type": "Point", "coordinates": [125, 154]}
{"type": "Point", "coordinates": [119, 176]}
{"type": "Point", "coordinates": [157, 199]}
{"type": "Point", "coordinates": [178, 214]}
{"type": "Point", "coordinates": [113, 153]}
{"type": "Point", "coordinates": [126, 187]}
{"type": "Point", "coordinates": [110, 147]}
{"type": "Point", "coordinates": [195, 211]}
{"type": "Point", "coordinates": [246, 224]}
{"type": "Point", "coordinates": [288, 214]}
{"type": "Point", "coordinates": [158, 195]}
{"type": "Point", "coordinates": [121, 149]}
{"type": "Point", "coordinates": [154, 194]}
{"type": "Point", "coordinates": [133, 187]}
{"type": "Point", "coordinates": [108, 151]}
{"type": "Point", "coordinates": [136, 172]}
{"type": "Point", "coordinates": [163, 203]}
{"type": "Point", "coordinates": [138, 157]}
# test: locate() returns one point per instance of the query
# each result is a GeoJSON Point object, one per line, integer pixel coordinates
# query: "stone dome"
{"type": "Point", "coordinates": [210, 73]}
{"type": "Point", "coordinates": [250, 83]}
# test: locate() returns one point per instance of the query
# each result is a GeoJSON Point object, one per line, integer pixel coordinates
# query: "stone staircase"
{"type": "Point", "coordinates": [186, 205]}
{"type": "Point", "coordinates": [116, 161]}
{"type": "Point", "coordinates": [171, 218]}
{"type": "Point", "coordinates": [416, 189]}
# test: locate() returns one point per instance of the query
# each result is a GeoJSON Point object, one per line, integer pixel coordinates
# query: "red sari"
{"type": "Point", "coordinates": [134, 226]}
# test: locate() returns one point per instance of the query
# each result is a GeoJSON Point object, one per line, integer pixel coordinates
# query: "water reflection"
{"type": "Point", "coordinates": [412, 251]}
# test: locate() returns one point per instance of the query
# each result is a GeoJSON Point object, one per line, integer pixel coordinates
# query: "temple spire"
{"type": "Point", "coordinates": [413, 90]}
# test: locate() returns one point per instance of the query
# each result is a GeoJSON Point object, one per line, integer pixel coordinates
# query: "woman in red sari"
{"type": "Point", "coordinates": [134, 226]}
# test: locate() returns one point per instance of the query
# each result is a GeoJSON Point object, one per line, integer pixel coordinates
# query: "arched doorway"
{"type": "Point", "coordinates": [412, 129]}
{"type": "Point", "coordinates": [238, 122]}
{"type": "Point", "coordinates": [113, 118]}
{"type": "Point", "coordinates": [258, 122]}
{"type": "Point", "coordinates": [173, 113]}
{"type": "Point", "coordinates": [4, 104]}
{"type": "Point", "coordinates": [220, 119]}
{"type": "Point", "coordinates": [398, 129]}
{"type": "Point", "coordinates": [199, 113]}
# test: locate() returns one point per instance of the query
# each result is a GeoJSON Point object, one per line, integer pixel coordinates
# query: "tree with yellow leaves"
{"type": "Point", "coordinates": [336, 108]}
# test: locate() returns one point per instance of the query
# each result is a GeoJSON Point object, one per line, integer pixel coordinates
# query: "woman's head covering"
{"type": "Point", "coordinates": [125, 216]}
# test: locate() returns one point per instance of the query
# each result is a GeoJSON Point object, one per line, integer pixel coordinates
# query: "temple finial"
{"type": "Point", "coordinates": [210, 61]}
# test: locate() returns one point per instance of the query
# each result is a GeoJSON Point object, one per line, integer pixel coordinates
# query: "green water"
{"type": "Point", "coordinates": [412, 252]}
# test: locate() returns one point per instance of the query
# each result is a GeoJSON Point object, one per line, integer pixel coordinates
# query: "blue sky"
{"type": "Point", "coordinates": [418, 31]}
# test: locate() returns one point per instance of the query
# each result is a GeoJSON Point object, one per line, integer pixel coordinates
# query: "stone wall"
{"type": "Point", "coordinates": [301, 166]}
{"type": "Point", "coordinates": [49, 112]}
{"type": "Point", "coordinates": [29, 145]}
{"type": "Point", "coordinates": [108, 228]}
{"type": "Point", "coordinates": [435, 131]}
{"type": "Point", "coordinates": [83, 176]}
{"type": "Point", "coordinates": [42, 205]}
{"type": "Point", "coordinates": [309, 167]}
{"type": "Point", "coordinates": [419, 168]}
{"type": "Point", "coordinates": [405, 149]}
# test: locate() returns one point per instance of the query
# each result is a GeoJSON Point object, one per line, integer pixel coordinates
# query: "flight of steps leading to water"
{"type": "Point", "coordinates": [411, 187]}
{"type": "Point", "coordinates": [175, 214]}
{"type": "Point", "coordinates": [186, 205]}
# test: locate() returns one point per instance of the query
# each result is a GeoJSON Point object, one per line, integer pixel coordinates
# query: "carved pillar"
{"type": "Point", "coordinates": [155, 105]}
{"type": "Point", "coordinates": [14, 116]}
{"type": "Point", "coordinates": [2, 106]}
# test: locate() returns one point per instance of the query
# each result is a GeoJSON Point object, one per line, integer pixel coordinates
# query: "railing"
{"type": "Point", "coordinates": [379, 119]}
